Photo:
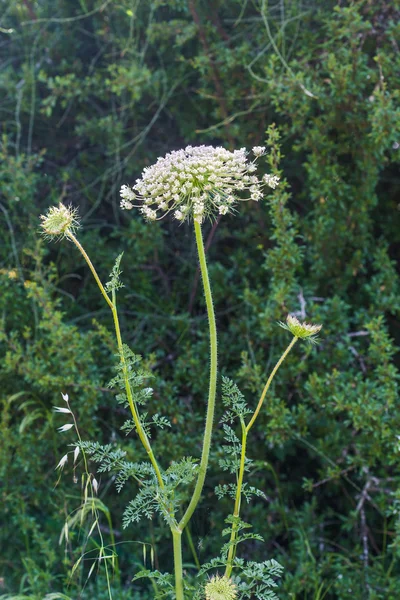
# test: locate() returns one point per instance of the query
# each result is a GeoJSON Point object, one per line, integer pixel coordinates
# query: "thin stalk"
{"type": "Point", "coordinates": [113, 306]}
{"type": "Point", "coordinates": [192, 548]}
{"type": "Point", "coordinates": [238, 499]}
{"type": "Point", "coordinates": [212, 385]}
{"type": "Point", "coordinates": [270, 378]}
{"type": "Point", "coordinates": [142, 434]}
{"type": "Point", "coordinates": [95, 511]}
{"type": "Point", "coordinates": [177, 539]}
{"type": "Point", "coordinates": [81, 249]}
{"type": "Point", "coordinates": [245, 431]}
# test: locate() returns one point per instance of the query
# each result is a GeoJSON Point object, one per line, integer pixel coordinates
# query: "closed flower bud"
{"type": "Point", "coordinates": [59, 221]}
{"type": "Point", "coordinates": [220, 588]}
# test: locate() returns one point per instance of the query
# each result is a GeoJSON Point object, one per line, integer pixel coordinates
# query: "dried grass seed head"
{"type": "Point", "coordinates": [196, 183]}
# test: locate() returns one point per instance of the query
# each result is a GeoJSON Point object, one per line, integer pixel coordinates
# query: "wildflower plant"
{"type": "Point", "coordinates": [193, 184]}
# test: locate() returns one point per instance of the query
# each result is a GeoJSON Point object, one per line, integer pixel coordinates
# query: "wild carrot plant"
{"type": "Point", "coordinates": [193, 184]}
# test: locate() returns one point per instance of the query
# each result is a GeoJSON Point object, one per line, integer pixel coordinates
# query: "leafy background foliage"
{"type": "Point", "coordinates": [91, 92]}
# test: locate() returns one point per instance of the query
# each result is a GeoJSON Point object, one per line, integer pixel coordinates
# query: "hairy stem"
{"type": "Point", "coordinates": [238, 499]}
{"type": "Point", "coordinates": [139, 428]}
{"type": "Point", "coordinates": [113, 306]}
{"type": "Point", "coordinates": [81, 249]}
{"type": "Point", "coordinates": [270, 378]}
{"type": "Point", "coordinates": [245, 431]}
{"type": "Point", "coordinates": [213, 381]}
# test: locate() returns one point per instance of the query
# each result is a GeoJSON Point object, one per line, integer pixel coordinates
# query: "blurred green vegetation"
{"type": "Point", "coordinates": [90, 93]}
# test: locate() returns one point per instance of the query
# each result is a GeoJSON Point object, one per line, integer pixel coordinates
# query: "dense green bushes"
{"type": "Point", "coordinates": [93, 92]}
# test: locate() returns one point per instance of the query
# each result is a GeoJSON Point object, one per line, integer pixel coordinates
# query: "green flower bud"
{"type": "Point", "coordinates": [220, 588]}
{"type": "Point", "coordinates": [301, 330]}
{"type": "Point", "coordinates": [59, 220]}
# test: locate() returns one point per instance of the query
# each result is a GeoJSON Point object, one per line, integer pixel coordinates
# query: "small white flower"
{"type": "Point", "coordinates": [65, 427]}
{"type": "Point", "coordinates": [150, 214]}
{"type": "Point", "coordinates": [271, 180]}
{"type": "Point", "coordinates": [62, 462]}
{"type": "Point", "coordinates": [76, 453]}
{"type": "Point", "coordinates": [59, 409]}
{"type": "Point", "coordinates": [125, 204]}
{"type": "Point", "coordinates": [127, 193]}
{"type": "Point", "coordinates": [178, 215]}
{"type": "Point", "coordinates": [65, 397]}
{"type": "Point", "coordinates": [258, 150]}
{"type": "Point", "coordinates": [95, 485]}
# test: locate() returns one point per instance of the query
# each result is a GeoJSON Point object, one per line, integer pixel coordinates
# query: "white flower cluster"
{"type": "Point", "coordinates": [197, 182]}
{"type": "Point", "coordinates": [271, 180]}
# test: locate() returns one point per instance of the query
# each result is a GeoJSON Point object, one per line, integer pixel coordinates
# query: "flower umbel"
{"type": "Point", "coordinates": [196, 183]}
{"type": "Point", "coordinates": [59, 220]}
{"type": "Point", "coordinates": [301, 330]}
{"type": "Point", "coordinates": [220, 588]}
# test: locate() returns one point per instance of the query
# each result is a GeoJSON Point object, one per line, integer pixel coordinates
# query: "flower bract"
{"type": "Point", "coordinates": [301, 330]}
{"type": "Point", "coordinates": [196, 183]}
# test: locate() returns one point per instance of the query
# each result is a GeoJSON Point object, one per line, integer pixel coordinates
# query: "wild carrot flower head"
{"type": "Point", "coordinates": [301, 330]}
{"type": "Point", "coordinates": [220, 588]}
{"type": "Point", "coordinates": [59, 220]}
{"type": "Point", "coordinates": [196, 183]}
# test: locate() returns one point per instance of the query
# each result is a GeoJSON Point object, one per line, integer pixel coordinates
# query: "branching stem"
{"type": "Point", "coordinates": [113, 306]}
{"type": "Point", "coordinates": [245, 431]}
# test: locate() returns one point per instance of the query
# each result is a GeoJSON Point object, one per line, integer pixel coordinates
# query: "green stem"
{"type": "Point", "coordinates": [142, 434]}
{"type": "Point", "coordinates": [270, 378]}
{"type": "Point", "coordinates": [192, 548]}
{"type": "Point", "coordinates": [238, 499]}
{"type": "Point", "coordinates": [213, 381]}
{"type": "Point", "coordinates": [177, 539]}
{"type": "Point", "coordinates": [81, 249]}
{"type": "Point", "coordinates": [113, 306]}
{"type": "Point", "coordinates": [245, 431]}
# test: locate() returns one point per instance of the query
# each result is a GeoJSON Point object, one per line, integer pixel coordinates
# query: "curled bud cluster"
{"type": "Point", "coordinates": [196, 183]}
{"type": "Point", "coordinates": [59, 220]}
{"type": "Point", "coordinates": [301, 330]}
{"type": "Point", "coordinates": [220, 588]}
